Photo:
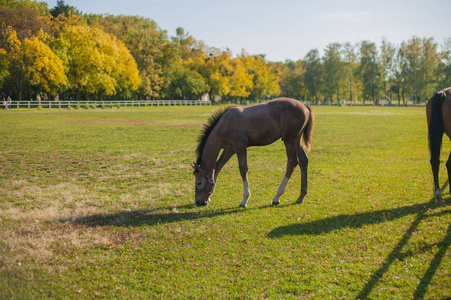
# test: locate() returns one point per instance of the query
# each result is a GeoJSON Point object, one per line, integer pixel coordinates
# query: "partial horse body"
{"type": "Point", "coordinates": [438, 113]}
{"type": "Point", "coordinates": [234, 129]}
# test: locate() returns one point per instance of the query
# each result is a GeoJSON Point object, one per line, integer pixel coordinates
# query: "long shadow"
{"type": "Point", "coordinates": [435, 263]}
{"type": "Point", "coordinates": [375, 217]}
{"type": "Point", "coordinates": [350, 221]}
{"type": "Point", "coordinates": [152, 217]}
{"type": "Point", "coordinates": [396, 253]}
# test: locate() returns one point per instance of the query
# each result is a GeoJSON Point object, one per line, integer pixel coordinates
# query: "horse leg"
{"type": "Point", "coordinates": [435, 164]}
{"type": "Point", "coordinates": [303, 164]}
{"type": "Point", "coordinates": [291, 164]}
{"type": "Point", "coordinates": [448, 166]}
{"type": "Point", "coordinates": [223, 159]}
{"type": "Point", "coordinates": [242, 162]}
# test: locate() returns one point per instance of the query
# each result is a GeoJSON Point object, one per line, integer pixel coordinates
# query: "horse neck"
{"type": "Point", "coordinates": [210, 154]}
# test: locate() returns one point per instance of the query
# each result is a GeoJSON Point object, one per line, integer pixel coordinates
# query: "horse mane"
{"type": "Point", "coordinates": [207, 129]}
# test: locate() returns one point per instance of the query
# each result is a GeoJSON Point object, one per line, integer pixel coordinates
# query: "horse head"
{"type": "Point", "coordinates": [203, 184]}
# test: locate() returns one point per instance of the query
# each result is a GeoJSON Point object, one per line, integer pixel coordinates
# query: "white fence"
{"type": "Point", "coordinates": [103, 104]}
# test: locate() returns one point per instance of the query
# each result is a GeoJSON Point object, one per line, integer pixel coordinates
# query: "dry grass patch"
{"type": "Point", "coordinates": [37, 227]}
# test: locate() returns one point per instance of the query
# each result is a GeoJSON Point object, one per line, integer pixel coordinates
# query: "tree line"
{"type": "Point", "coordinates": [62, 53]}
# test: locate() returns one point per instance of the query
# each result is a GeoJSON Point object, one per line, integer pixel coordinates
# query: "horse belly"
{"type": "Point", "coordinates": [264, 136]}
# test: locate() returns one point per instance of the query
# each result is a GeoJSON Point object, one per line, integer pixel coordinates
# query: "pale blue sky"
{"type": "Point", "coordinates": [286, 29]}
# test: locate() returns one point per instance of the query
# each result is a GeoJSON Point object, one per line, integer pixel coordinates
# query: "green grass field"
{"type": "Point", "coordinates": [100, 204]}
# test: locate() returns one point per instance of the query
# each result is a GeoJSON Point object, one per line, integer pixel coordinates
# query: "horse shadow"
{"type": "Point", "coordinates": [358, 220]}
{"type": "Point", "coordinates": [152, 217]}
{"type": "Point", "coordinates": [163, 215]}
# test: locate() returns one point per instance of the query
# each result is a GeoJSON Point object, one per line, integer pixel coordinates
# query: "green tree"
{"type": "Point", "coordinates": [314, 72]}
{"type": "Point", "coordinates": [410, 53]}
{"type": "Point", "coordinates": [369, 71]}
{"type": "Point", "coordinates": [430, 59]}
{"type": "Point", "coordinates": [333, 71]}
{"type": "Point", "coordinates": [350, 65]}
{"type": "Point", "coordinates": [64, 9]}
{"type": "Point", "coordinates": [387, 58]}
{"type": "Point", "coordinates": [444, 67]}
{"type": "Point", "coordinates": [186, 84]}
{"type": "Point", "coordinates": [292, 79]}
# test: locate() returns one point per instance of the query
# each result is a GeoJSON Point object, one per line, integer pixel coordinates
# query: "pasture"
{"type": "Point", "coordinates": [100, 204]}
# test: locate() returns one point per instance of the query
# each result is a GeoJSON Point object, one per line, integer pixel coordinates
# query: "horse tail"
{"type": "Point", "coordinates": [307, 131]}
{"type": "Point", "coordinates": [435, 127]}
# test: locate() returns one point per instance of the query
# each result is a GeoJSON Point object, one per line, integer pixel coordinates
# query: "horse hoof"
{"type": "Point", "coordinates": [299, 201]}
{"type": "Point", "coordinates": [439, 200]}
{"type": "Point", "coordinates": [243, 206]}
{"type": "Point", "coordinates": [438, 197]}
{"type": "Point", "coordinates": [275, 203]}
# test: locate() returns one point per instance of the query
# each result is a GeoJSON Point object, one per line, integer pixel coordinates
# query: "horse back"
{"type": "Point", "coordinates": [440, 104]}
{"type": "Point", "coordinates": [446, 111]}
{"type": "Point", "coordinates": [264, 123]}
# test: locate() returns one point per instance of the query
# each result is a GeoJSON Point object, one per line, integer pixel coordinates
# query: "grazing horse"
{"type": "Point", "coordinates": [438, 113]}
{"type": "Point", "coordinates": [236, 128]}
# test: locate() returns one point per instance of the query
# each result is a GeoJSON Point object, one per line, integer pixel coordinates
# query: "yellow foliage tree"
{"type": "Point", "coordinates": [96, 62]}
{"type": "Point", "coordinates": [240, 81]}
{"type": "Point", "coordinates": [32, 62]}
{"type": "Point", "coordinates": [43, 68]}
{"type": "Point", "coordinates": [4, 66]}
{"type": "Point", "coordinates": [265, 83]}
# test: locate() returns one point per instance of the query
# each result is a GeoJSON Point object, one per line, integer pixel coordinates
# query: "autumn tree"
{"type": "Point", "coordinates": [39, 7]}
{"type": "Point", "coordinates": [32, 63]}
{"type": "Point", "coordinates": [240, 80]}
{"type": "Point", "coordinates": [148, 44]}
{"type": "Point", "coordinates": [264, 83]}
{"type": "Point", "coordinates": [4, 66]}
{"type": "Point", "coordinates": [23, 20]}
{"type": "Point", "coordinates": [187, 46]}
{"type": "Point", "coordinates": [214, 67]}
{"type": "Point", "coordinates": [218, 64]}
{"type": "Point", "coordinates": [43, 68]}
{"type": "Point", "coordinates": [96, 62]}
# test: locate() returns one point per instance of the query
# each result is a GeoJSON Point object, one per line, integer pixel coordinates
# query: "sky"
{"type": "Point", "coordinates": [286, 29]}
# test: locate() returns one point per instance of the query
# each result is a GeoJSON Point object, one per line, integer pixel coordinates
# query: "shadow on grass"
{"type": "Point", "coordinates": [374, 217]}
{"type": "Point", "coordinates": [165, 215]}
{"type": "Point", "coordinates": [351, 221]}
{"type": "Point", "coordinates": [154, 216]}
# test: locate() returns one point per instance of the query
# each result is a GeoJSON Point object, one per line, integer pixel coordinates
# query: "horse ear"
{"type": "Point", "coordinates": [195, 167]}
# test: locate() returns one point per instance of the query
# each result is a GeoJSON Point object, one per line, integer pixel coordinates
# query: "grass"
{"type": "Point", "coordinates": [99, 204]}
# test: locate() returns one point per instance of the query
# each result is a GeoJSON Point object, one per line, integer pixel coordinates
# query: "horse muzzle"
{"type": "Point", "coordinates": [201, 201]}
